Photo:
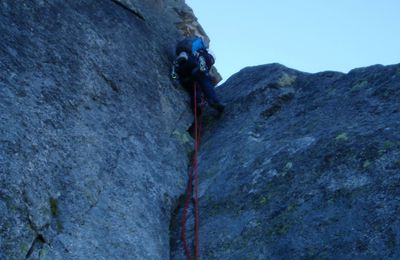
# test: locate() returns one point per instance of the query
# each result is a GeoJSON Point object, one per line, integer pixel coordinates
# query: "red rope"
{"type": "Point", "coordinates": [187, 200]}
{"type": "Point", "coordinates": [193, 172]}
{"type": "Point", "coordinates": [196, 176]}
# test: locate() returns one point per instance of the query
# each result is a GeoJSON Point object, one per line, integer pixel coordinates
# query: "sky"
{"type": "Point", "coordinates": [307, 35]}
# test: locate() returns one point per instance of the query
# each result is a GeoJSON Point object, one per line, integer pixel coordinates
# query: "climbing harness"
{"type": "Point", "coordinates": [193, 173]}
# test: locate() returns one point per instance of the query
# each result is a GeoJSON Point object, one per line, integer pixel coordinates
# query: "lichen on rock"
{"type": "Point", "coordinates": [326, 169]}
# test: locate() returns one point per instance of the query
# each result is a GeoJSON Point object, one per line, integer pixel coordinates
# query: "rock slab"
{"type": "Point", "coordinates": [303, 166]}
{"type": "Point", "coordinates": [93, 143]}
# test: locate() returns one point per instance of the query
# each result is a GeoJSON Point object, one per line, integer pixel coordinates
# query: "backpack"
{"type": "Point", "coordinates": [209, 59]}
{"type": "Point", "coordinates": [190, 45]}
{"type": "Point", "coordinates": [191, 53]}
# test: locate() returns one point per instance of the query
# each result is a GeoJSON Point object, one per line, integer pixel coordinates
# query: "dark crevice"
{"type": "Point", "coordinates": [39, 241]}
{"type": "Point", "coordinates": [31, 223]}
{"type": "Point", "coordinates": [174, 229]}
{"type": "Point", "coordinates": [109, 82]}
{"type": "Point", "coordinates": [277, 105]}
{"type": "Point", "coordinates": [37, 244]}
{"type": "Point", "coordinates": [55, 212]}
{"type": "Point", "coordinates": [130, 9]}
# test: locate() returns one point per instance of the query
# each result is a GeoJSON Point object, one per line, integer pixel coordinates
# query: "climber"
{"type": "Point", "coordinates": [192, 68]}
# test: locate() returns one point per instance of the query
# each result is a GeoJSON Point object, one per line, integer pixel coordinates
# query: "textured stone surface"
{"type": "Point", "coordinates": [94, 149]}
{"type": "Point", "coordinates": [93, 145]}
{"type": "Point", "coordinates": [303, 166]}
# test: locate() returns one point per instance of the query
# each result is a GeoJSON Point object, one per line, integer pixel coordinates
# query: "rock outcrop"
{"type": "Point", "coordinates": [93, 142]}
{"type": "Point", "coordinates": [94, 150]}
{"type": "Point", "coordinates": [303, 166]}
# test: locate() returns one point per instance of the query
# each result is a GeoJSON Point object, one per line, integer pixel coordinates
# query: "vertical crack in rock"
{"type": "Point", "coordinates": [175, 229]}
{"type": "Point", "coordinates": [174, 226]}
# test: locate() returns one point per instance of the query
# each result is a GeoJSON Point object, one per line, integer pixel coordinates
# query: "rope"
{"type": "Point", "coordinates": [193, 172]}
{"type": "Point", "coordinates": [187, 199]}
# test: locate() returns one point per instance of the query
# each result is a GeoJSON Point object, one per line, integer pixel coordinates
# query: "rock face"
{"type": "Point", "coordinates": [93, 143]}
{"type": "Point", "coordinates": [94, 149]}
{"type": "Point", "coordinates": [303, 166]}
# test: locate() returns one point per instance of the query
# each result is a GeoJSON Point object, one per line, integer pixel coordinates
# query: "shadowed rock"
{"type": "Point", "coordinates": [303, 166]}
{"type": "Point", "coordinates": [90, 167]}
{"type": "Point", "coordinates": [94, 149]}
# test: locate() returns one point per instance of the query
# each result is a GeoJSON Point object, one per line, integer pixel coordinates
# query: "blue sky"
{"type": "Point", "coordinates": [308, 35]}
